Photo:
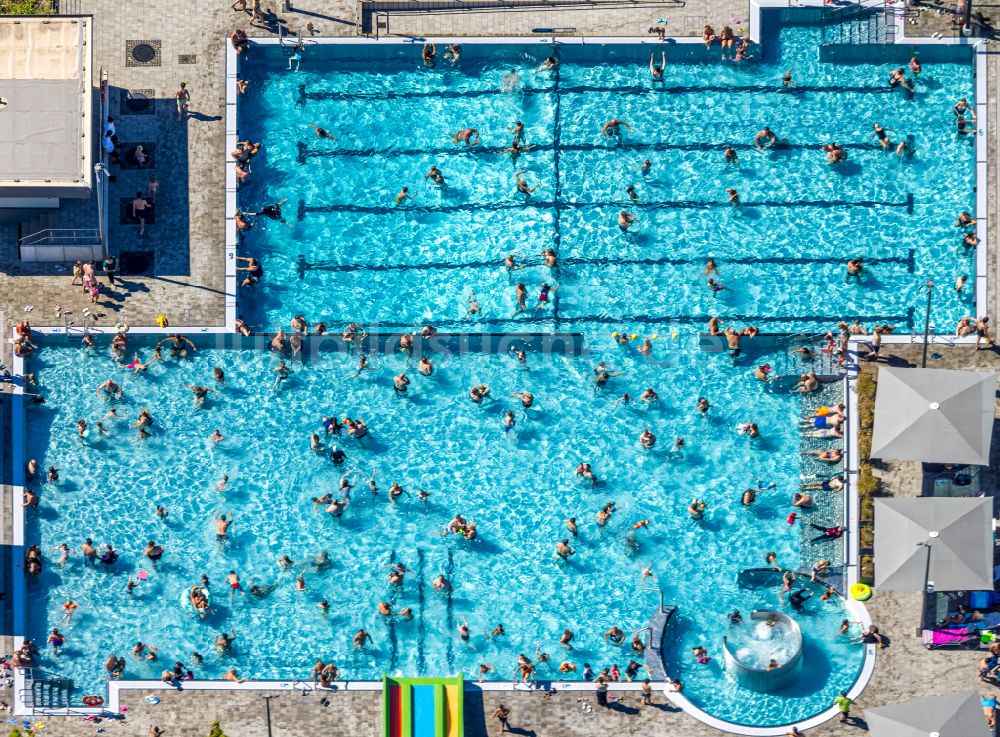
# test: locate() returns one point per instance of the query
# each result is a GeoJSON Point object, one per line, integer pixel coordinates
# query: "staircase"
{"type": "Point", "coordinates": [29, 229]}
{"type": "Point", "coordinates": [39, 240]}
{"type": "Point", "coordinates": [863, 23]}
{"type": "Point", "coordinates": [43, 690]}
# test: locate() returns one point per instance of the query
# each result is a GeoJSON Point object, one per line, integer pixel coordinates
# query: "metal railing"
{"type": "Point", "coordinates": [861, 23]}
{"type": "Point", "coordinates": [62, 237]}
{"type": "Point", "coordinates": [44, 690]}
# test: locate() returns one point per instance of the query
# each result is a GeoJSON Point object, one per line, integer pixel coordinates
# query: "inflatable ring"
{"type": "Point", "coordinates": [121, 327]}
{"type": "Point", "coordinates": [152, 699]}
{"type": "Point", "coordinates": [185, 600]}
{"type": "Point", "coordinates": [93, 700]}
{"type": "Point", "coordinates": [861, 592]}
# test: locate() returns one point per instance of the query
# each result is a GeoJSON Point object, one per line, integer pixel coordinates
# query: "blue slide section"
{"type": "Point", "coordinates": [423, 711]}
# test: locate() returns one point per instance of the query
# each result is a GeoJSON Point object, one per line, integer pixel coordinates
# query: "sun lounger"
{"type": "Point", "coordinates": [963, 638]}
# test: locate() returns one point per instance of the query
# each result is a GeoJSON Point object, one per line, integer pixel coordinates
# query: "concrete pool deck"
{"type": "Point", "coordinates": [188, 285]}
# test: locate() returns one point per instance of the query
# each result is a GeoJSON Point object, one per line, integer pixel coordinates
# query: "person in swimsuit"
{"type": "Point", "coordinates": [897, 78]}
{"type": "Point", "coordinates": [56, 640]}
{"type": "Point", "coordinates": [726, 38]}
{"type": "Point", "coordinates": [708, 35]}
{"type": "Point", "coordinates": [880, 134]}
{"type": "Point", "coordinates": [656, 72]}
{"type": "Point", "coordinates": [962, 109]}
{"type": "Point", "coordinates": [273, 212]}
{"type": "Point", "coordinates": [612, 129]}
{"type": "Point", "coordinates": [140, 209]}
{"type": "Point", "coordinates": [222, 524]}
{"type": "Point", "coordinates": [153, 551]}
{"type": "Point", "coordinates": [469, 135]}
{"type": "Point", "coordinates": [322, 132]}
{"type": "Point", "coordinates": [765, 138]}
{"type": "Point", "coordinates": [183, 98]}
{"type": "Point", "coordinates": [255, 272]}
{"type": "Point", "coordinates": [428, 55]}
{"type": "Point", "coordinates": [522, 184]}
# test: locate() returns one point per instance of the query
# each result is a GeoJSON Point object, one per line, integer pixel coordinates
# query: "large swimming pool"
{"type": "Point", "coordinates": [350, 253]}
{"type": "Point", "coordinates": [518, 487]}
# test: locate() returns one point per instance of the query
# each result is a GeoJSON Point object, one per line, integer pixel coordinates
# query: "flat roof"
{"type": "Point", "coordinates": [45, 110]}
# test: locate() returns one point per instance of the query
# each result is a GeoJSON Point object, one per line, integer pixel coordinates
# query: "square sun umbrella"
{"type": "Point", "coordinates": [947, 540]}
{"type": "Point", "coordinates": [934, 415]}
{"type": "Point", "coordinates": [951, 715]}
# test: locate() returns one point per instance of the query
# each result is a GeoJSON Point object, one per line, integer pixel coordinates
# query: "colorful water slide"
{"type": "Point", "coordinates": [422, 707]}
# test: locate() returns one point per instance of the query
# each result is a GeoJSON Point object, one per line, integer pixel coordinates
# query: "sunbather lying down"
{"type": "Point", "coordinates": [975, 618]}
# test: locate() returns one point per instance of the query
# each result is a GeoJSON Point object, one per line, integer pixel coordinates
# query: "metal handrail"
{"type": "Point", "coordinates": [60, 236]}
{"type": "Point", "coordinates": [659, 592]}
{"type": "Point", "coordinates": [838, 14]}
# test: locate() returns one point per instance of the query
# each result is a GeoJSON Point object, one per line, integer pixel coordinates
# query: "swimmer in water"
{"type": "Point", "coordinates": [656, 72]}
{"type": "Point", "coordinates": [515, 150]}
{"type": "Point", "coordinates": [881, 134]}
{"type": "Point", "coordinates": [470, 136]}
{"type": "Point", "coordinates": [644, 167]}
{"type": "Point", "coordinates": [625, 220]}
{"type": "Point", "coordinates": [404, 195]}
{"type": "Point", "coordinates": [730, 155]}
{"type": "Point", "coordinates": [428, 55]}
{"type": "Point", "coordinates": [521, 299]}
{"type": "Point", "coordinates": [612, 129]}
{"type": "Point", "coordinates": [522, 183]}
{"type": "Point", "coordinates": [765, 138]}
{"type": "Point", "coordinates": [584, 471]}
{"type": "Point", "coordinates": [563, 549]}
{"type": "Point", "coordinates": [400, 383]}
{"type": "Point", "coordinates": [435, 175]}
{"type": "Point", "coordinates": [527, 398]}
{"type": "Point", "coordinates": [510, 81]}
{"type": "Point", "coordinates": [322, 132]}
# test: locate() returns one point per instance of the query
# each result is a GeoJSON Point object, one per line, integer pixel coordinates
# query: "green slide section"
{"type": "Point", "coordinates": [423, 707]}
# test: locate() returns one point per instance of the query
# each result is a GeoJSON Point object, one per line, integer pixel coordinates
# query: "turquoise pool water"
{"type": "Point", "coordinates": [518, 488]}
{"type": "Point", "coordinates": [351, 252]}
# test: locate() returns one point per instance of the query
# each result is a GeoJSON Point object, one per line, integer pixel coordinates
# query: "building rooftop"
{"type": "Point", "coordinates": [45, 105]}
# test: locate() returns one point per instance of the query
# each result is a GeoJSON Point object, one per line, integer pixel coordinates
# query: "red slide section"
{"type": "Point", "coordinates": [396, 712]}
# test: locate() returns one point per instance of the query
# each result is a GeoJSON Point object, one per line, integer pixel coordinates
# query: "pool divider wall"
{"type": "Point", "coordinates": [232, 234]}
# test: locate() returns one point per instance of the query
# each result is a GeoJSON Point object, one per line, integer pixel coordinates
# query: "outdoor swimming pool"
{"type": "Point", "coordinates": [517, 487]}
{"type": "Point", "coordinates": [351, 254]}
